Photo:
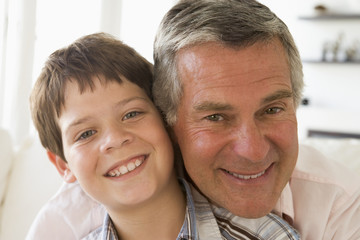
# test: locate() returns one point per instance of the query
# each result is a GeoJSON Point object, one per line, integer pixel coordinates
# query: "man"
{"type": "Point", "coordinates": [235, 121]}
{"type": "Point", "coordinates": [228, 78]}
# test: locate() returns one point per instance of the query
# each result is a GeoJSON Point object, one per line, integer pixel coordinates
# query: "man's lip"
{"type": "Point", "coordinates": [132, 159]}
{"type": "Point", "coordinates": [249, 176]}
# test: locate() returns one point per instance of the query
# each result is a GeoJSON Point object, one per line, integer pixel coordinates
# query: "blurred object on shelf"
{"type": "Point", "coordinates": [336, 51]}
{"type": "Point", "coordinates": [353, 52]}
{"type": "Point", "coordinates": [320, 9]}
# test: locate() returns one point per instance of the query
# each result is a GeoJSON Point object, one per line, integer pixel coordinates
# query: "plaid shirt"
{"type": "Point", "coordinates": [207, 222]}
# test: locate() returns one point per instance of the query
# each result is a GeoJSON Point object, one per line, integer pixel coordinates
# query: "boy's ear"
{"type": "Point", "coordinates": [62, 167]}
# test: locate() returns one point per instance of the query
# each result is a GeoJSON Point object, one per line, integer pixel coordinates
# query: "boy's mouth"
{"type": "Point", "coordinates": [125, 168]}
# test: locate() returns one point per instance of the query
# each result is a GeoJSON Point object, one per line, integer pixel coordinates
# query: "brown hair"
{"type": "Point", "coordinates": [95, 55]}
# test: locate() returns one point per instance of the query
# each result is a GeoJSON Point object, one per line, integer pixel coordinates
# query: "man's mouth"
{"type": "Point", "coordinates": [126, 168]}
{"type": "Point", "coordinates": [247, 176]}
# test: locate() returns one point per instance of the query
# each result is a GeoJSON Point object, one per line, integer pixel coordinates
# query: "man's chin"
{"type": "Point", "coordinates": [251, 213]}
{"type": "Point", "coordinates": [250, 209]}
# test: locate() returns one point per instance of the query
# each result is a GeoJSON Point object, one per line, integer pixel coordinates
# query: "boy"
{"type": "Point", "coordinates": [93, 110]}
{"type": "Point", "coordinates": [92, 106]}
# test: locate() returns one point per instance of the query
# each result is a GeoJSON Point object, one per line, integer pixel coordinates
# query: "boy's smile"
{"type": "Point", "coordinates": [115, 143]}
{"type": "Point", "coordinates": [126, 166]}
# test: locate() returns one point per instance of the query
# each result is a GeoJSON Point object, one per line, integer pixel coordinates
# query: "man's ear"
{"type": "Point", "coordinates": [62, 167]}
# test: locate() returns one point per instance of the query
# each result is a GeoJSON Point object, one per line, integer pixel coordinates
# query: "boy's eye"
{"type": "Point", "coordinates": [215, 117]}
{"type": "Point", "coordinates": [131, 115]}
{"type": "Point", "coordinates": [87, 134]}
{"type": "Point", "coordinates": [273, 110]}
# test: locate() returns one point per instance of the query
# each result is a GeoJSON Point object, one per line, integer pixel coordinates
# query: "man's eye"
{"type": "Point", "coordinates": [215, 117]}
{"type": "Point", "coordinates": [86, 134]}
{"type": "Point", "coordinates": [273, 110]}
{"type": "Point", "coordinates": [131, 115]}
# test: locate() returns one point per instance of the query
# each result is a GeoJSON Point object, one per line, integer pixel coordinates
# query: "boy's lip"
{"type": "Point", "coordinates": [125, 166]}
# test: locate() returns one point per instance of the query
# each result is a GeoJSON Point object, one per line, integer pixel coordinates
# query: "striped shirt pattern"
{"type": "Point", "coordinates": [207, 222]}
{"type": "Point", "coordinates": [228, 226]}
{"type": "Point", "coordinates": [272, 227]}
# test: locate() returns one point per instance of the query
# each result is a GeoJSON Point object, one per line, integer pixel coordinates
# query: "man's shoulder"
{"type": "Point", "coordinates": [314, 167]}
{"type": "Point", "coordinates": [323, 194]}
{"type": "Point", "coordinates": [70, 211]}
{"type": "Point", "coordinates": [66, 197]}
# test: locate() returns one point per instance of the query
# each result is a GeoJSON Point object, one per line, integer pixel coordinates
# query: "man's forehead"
{"type": "Point", "coordinates": [217, 57]}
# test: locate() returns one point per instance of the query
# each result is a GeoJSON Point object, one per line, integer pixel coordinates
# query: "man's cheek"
{"type": "Point", "coordinates": [206, 145]}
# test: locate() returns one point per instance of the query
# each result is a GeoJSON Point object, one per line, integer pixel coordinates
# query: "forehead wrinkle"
{"type": "Point", "coordinates": [212, 106]}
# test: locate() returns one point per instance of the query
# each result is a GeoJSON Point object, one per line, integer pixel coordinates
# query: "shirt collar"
{"type": "Point", "coordinates": [108, 229]}
{"type": "Point", "coordinates": [284, 206]}
{"type": "Point", "coordinates": [189, 229]}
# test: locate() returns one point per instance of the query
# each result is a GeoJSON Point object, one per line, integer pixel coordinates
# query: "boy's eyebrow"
{"type": "Point", "coordinates": [277, 95]}
{"type": "Point", "coordinates": [75, 123]}
{"type": "Point", "coordinates": [117, 105]}
{"type": "Point", "coordinates": [127, 100]}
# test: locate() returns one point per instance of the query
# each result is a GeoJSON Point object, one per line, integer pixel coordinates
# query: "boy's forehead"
{"type": "Point", "coordinates": [81, 84]}
{"type": "Point", "coordinates": [74, 86]}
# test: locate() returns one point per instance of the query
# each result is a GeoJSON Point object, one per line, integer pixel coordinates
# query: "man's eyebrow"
{"type": "Point", "coordinates": [216, 106]}
{"type": "Point", "coordinates": [277, 95]}
{"type": "Point", "coordinates": [212, 106]}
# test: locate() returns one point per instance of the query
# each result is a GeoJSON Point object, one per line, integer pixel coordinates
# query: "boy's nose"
{"type": "Point", "coordinates": [116, 137]}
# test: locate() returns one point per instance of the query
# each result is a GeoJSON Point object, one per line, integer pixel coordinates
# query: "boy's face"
{"type": "Point", "coordinates": [115, 144]}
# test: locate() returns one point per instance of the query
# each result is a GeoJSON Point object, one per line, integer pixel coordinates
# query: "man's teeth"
{"type": "Point", "coordinates": [246, 177]}
{"type": "Point", "coordinates": [125, 169]}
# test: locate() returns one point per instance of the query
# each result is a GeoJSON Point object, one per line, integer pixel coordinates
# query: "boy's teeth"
{"type": "Point", "coordinates": [125, 169]}
{"type": "Point", "coordinates": [131, 166]}
{"type": "Point", "coordinates": [137, 162]}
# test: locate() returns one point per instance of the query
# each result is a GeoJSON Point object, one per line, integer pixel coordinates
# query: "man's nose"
{"type": "Point", "coordinates": [249, 141]}
{"type": "Point", "coordinates": [115, 136]}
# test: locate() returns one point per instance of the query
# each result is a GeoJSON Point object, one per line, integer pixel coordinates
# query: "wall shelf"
{"type": "Point", "coordinates": [333, 16]}
{"type": "Point", "coordinates": [329, 62]}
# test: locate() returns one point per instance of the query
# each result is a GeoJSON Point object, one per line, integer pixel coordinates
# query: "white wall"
{"type": "Point", "coordinates": [333, 89]}
{"type": "Point", "coordinates": [140, 20]}
{"type": "Point", "coordinates": [31, 30]}
{"type": "Point", "coordinates": [328, 86]}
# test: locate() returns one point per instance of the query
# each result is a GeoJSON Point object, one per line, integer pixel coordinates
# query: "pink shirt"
{"type": "Point", "coordinates": [321, 200]}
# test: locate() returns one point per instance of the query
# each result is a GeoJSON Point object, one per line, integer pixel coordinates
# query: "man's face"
{"type": "Point", "coordinates": [236, 126]}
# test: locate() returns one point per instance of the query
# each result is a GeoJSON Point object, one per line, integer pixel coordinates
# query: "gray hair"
{"type": "Point", "coordinates": [233, 23]}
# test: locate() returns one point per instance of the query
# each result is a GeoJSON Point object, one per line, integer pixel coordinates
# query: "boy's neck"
{"type": "Point", "coordinates": [162, 218]}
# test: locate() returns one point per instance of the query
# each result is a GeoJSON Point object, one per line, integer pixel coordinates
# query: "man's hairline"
{"type": "Point", "coordinates": [183, 48]}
